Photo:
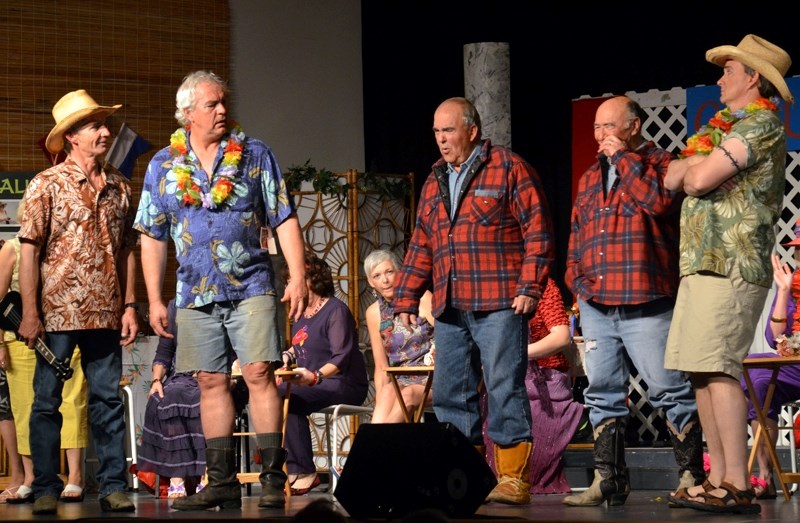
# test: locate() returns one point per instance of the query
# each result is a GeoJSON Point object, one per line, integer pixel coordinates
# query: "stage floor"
{"type": "Point", "coordinates": [641, 506]}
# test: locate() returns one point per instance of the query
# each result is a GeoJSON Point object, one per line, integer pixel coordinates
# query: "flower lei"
{"type": "Point", "coordinates": [188, 192]}
{"type": "Point", "coordinates": [711, 134]}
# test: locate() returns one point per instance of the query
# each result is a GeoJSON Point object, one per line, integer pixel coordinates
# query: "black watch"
{"type": "Point", "coordinates": [132, 305]}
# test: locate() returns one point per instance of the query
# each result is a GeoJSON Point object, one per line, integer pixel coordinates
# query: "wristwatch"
{"type": "Point", "coordinates": [132, 305]}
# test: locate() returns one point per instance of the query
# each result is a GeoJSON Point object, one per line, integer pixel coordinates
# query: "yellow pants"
{"type": "Point", "coordinates": [74, 407]}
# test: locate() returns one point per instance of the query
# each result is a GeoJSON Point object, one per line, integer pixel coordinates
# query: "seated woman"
{"type": "Point", "coordinates": [392, 344]}
{"type": "Point", "coordinates": [173, 445]}
{"type": "Point", "coordinates": [330, 369]}
{"type": "Point", "coordinates": [782, 322]}
{"type": "Point", "coordinates": [555, 413]}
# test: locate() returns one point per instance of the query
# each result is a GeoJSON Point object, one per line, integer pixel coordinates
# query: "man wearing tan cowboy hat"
{"type": "Point", "coordinates": [76, 249]}
{"type": "Point", "coordinates": [733, 173]}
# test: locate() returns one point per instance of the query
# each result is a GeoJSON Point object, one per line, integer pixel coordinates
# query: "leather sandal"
{"type": "Point", "coordinates": [742, 501]}
{"type": "Point", "coordinates": [679, 499]}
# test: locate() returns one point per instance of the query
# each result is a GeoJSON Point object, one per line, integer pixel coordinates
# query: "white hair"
{"type": "Point", "coordinates": [186, 96]}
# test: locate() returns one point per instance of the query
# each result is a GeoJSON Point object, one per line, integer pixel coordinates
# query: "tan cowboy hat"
{"type": "Point", "coordinates": [768, 59]}
{"type": "Point", "coordinates": [71, 109]}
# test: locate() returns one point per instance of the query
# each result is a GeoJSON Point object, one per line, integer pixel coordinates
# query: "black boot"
{"type": "Point", "coordinates": [272, 477]}
{"type": "Point", "coordinates": [688, 448]}
{"type": "Point", "coordinates": [610, 483]}
{"type": "Point", "coordinates": [223, 489]}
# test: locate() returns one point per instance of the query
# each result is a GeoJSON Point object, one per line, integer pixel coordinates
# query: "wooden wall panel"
{"type": "Point", "coordinates": [131, 53]}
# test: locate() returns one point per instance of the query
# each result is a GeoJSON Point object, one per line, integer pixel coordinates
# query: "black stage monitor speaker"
{"type": "Point", "coordinates": [394, 469]}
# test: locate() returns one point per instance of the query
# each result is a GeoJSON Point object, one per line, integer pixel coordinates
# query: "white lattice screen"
{"type": "Point", "coordinates": [666, 126]}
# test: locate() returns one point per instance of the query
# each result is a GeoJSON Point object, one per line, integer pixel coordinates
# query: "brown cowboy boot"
{"type": "Point", "coordinates": [513, 469]}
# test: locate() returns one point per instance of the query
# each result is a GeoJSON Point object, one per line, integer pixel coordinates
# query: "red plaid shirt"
{"type": "Point", "coordinates": [499, 245]}
{"type": "Point", "coordinates": [623, 249]}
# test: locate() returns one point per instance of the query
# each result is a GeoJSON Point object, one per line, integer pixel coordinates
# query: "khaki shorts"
{"type": "Point", "coordinates": [714, 323]}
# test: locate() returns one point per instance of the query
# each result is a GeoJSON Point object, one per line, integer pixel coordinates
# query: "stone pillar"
{"type": "Point", "coordinates": [487, 84]}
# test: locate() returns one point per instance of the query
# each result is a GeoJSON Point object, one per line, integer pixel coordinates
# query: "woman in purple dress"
{"type": "Point", "coordinates": [330, 369]}
{"type": "Point", "coordinates": [782, 321]}
{"type": "Point", "coordinates": [393, 345]}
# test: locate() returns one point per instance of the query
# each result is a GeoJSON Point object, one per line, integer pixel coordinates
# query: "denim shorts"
{"type": "Point", "coordinates": [207, 335]}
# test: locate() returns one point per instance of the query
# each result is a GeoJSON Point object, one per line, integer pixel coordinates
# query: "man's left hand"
{"type": "Point", "coordinates": [524, 304]}
{"type": "Point", "coordinates": [130, 327]}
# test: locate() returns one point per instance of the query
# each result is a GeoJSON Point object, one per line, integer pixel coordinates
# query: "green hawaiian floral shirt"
{"type": "Point", "coordinates": [734, 224]}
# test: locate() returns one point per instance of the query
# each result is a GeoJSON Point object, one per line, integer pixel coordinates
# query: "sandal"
{"type": "Point", "coordinates": [742, 501]}
{"type": "Point", "coordinates": [24, 495]}
{"type": "Point", "coordinates": [176, 491]}
{"type": "Point", "coordinates": [302, 491]}
{"type": "Point", "coordinates": [767, 492]}
{"type": "Point", "coordinates": [679, 499]}
{"type": "Point", "coordinates": [71, 494]}
{"type": "Point", "coordinates": [7, 493]}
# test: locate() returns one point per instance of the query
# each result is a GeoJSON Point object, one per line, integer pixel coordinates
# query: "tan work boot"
{"type": "Point", "coordinates": [513, 468]}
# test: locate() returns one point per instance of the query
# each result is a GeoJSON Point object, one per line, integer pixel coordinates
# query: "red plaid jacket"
{"type": "Point", "coordinates": [499, 245]}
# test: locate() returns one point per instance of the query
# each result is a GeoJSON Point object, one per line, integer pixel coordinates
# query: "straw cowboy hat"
{"type": "Point", "coordinates": [768, 59]}
{"type": "Point", "coordinates": [71, 109]}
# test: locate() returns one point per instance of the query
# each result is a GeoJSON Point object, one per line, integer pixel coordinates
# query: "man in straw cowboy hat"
{"type": "Point", "coordinates": [733, 174]}
{"type": "Point", "coordinates": [77, 250]}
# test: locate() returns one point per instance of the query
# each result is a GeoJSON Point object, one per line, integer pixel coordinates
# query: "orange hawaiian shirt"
{"type": "Point", "coordinates": [82, 233]}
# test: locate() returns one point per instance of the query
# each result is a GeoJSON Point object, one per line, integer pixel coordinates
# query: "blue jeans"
{"type": "Point", "coordinates": [498, 341]}
{"type": "Point", "coordinates": [616, 336]}
{"type": "Point", "coordinates": [101, 359]}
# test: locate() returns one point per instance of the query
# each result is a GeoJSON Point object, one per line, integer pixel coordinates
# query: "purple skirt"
{"type": "Point", "coordinates": [173, 444]}
{"type": "Point", "coordinates": [555, 415]}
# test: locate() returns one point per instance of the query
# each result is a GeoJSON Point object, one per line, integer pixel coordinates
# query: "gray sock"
{"type": "Point", "coordinates": [268, 440]}
{"type": "Point", "coordinates": [225, 442]}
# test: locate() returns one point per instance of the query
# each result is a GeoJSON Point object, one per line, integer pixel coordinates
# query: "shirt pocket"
{"type": "Point", "coordinates": [486, 207]}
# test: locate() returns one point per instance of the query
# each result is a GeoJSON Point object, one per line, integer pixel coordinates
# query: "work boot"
{"type": "Point", "coordinates": [610, 482]}
{"type": "Point", "coordinates": [223, 489]}
{"type": "Point", "coordinates": [688, 448]}
{"type": "Point", "coordinates": [272, 478]}
{"type": "Point", "coordinates": [513, 470]}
